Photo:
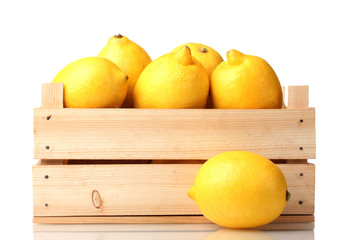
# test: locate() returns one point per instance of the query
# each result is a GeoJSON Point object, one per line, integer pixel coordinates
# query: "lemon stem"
{"type": "Point", "coordinates": [203, 49]}
{"type": "Point", "coordinates": [118, 36]}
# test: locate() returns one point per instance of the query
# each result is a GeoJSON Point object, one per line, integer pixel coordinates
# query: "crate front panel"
{"type": "Point", "coordinates": [172, 133]}
{"type": "Point", "coordinates": [138, 189]}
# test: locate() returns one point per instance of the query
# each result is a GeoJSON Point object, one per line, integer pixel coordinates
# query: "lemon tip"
{"type": "Point", "coordinates": [191, 193]}
{"type": "Point", "coordinates": [234, 57]}
{"type": "Point", "coordinates": [184, 55]}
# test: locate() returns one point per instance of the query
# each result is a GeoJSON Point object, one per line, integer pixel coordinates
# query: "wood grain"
{"type": "Point", "coordinates": [52, 95]}
{"type": "Point", "coordinates": [155, 219]}
{"type": "Point", "coordinates": [141, 189]}
{"type": "Point", "coordinates": [298, 97]}
{"type": "Point", "coordinates": [124, 227]}
{"type": "Point", "coordinates": [139, 193]}
{"type": "Point", "coordinates": [300, 222]}
{"type": "Point", "coordinates": [172, 133]}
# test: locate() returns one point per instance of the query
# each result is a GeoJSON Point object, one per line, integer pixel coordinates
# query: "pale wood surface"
{"type": "Point", "coordinates": [123, 227]}
{"type": "Point", "coordinates": [172, 133]}
{"type": "Point", "coordinates": [298, 97]}
{"type": "Point", "coordinates": [283, 91]}
{"type": "Point", "coordinates": [141, 189]}
{"type": "Point", "coordinates": [153, 219]}
{"type": "Point", "coordinates": [64, 226]}
{"type": "Point", "coordinates": [52, 95]}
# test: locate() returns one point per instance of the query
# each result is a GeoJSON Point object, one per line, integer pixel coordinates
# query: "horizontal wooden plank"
{"type": "Point", "coordinates": [154, 219]}
{"type": "Point", "coordinates": [124, 227]}
{"type": "Point", "coordinates": [120, 219]}
{"type": "Point", "coordinates": [172, 133]}
{"type": "Point", "coordinates": [140, 189]}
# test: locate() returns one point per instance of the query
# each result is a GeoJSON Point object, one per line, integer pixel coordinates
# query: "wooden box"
{"type": "Point", "coordinates": [122, 165]}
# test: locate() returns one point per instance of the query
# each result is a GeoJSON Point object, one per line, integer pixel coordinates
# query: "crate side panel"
{"type": "Point", "coordinates": [137, 189]}
{"type": "Point", "coordinates": [142, 219]}
{"type": "Point", "coordinates": [172, 133]}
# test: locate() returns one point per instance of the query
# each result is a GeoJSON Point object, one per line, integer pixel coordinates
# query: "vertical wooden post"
{"type": "Point", "coordinates": [298, 97]}
{"type": "Point", "coordinates": [52, 97]}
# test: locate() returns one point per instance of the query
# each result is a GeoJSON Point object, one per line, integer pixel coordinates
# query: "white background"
{"type": "Point", "coordinates": [304, 41]}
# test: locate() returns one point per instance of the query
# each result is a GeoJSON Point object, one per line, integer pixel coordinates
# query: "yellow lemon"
{"type": "Point", "coordinates": [240, 189]}
{"type": "Point", "coordinates": [129, 57]}
{"type": "Point", "coordinates": [245, 81]}
{"type": "Point", "coordinates": [207, 56]}
{"type": "Point", "coordinates": [92, 82]}
{"type": "Point", "coordinates": [175, 80]}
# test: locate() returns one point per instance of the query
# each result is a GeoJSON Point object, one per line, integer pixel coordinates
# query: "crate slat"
{"type": "Point", "coordinates": [156, 219]}
{"type": "Point", "coordinates": [172, 133]}
{"type": "Point", "coordinates": [140, 189]}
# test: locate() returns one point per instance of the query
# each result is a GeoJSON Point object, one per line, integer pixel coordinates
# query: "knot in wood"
{"type": "Point", "coordinates": [96, 199]}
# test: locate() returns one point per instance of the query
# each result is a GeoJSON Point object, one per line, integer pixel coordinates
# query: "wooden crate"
{"type": "Point", "coordinates": [136, 165]}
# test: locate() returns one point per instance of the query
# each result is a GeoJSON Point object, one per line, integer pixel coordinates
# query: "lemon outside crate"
{"type": "Point", "coordinates": [122, 165]}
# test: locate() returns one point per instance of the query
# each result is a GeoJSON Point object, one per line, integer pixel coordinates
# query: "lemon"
{"type": "Point", "coordinates": [207, 56]}
{"type": "Point", "coordinates": [129, 57]}
{"type": "Point", "coordinates": [175, 80]}
{"type": "Point", "coordinates": [245, 81]}
{"type": "Point", "coordinates": [240, 189]}
{"type": "Point", "coordinates": [92, 82]}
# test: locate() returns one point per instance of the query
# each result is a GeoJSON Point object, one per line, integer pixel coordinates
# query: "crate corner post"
{"type": "Point", "coordinates": [52, 95]}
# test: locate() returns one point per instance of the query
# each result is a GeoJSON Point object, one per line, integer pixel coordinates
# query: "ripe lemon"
{"type": "Point", "coordinates": [175, 80]}
{"type": "Point", "coordinates": [207, 56]}
{"type": "Point", "coordinates": [245, 81]}
{"type": "Point", "coordinates": [240, 189]}
{"type": "Point", "coordinates": [129, 57]}
{"type": "Point", "coordinates": [92, 82]}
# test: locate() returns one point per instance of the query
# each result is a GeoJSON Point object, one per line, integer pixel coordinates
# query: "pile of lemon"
{"type": "Point", "coordinates": [191, 76]}
{"type": "Point", "coordinates": [233, 189]}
